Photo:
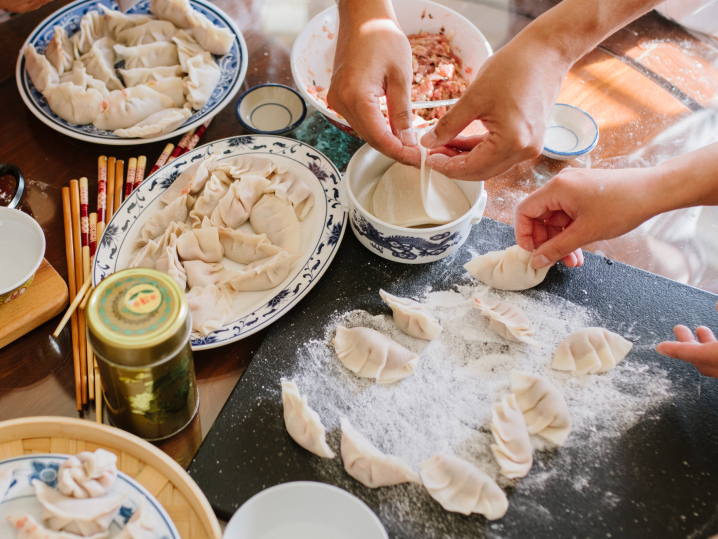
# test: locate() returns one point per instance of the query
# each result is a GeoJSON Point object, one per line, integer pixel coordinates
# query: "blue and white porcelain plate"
{"type": "Point", "coordinates": [321, 231]}
{"type": "Point", "coordinates": [233, 66]}
{"type": "Point", "coordinates": [20, 499]}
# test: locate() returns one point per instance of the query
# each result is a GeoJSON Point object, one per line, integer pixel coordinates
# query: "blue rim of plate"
{"type": "Point", "coordinates": [121, 476]}
{"type": "Point", "coordinates": [334, 225]}
{"type": "Point", "coordinates": [290, 127]}
{"type": "Point", "coordinates": [584, 150]}
{"type": "Point", "coordinates": [233, 67]}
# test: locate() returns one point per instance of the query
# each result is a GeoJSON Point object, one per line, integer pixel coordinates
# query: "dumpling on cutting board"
{"type": "Point", "coordinates": [397, 198]}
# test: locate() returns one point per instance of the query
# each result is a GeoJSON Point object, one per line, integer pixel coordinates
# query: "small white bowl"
{"type": "Point", "coordinates": [396, 243]}
{"type": "Point", "coordinates": [22, 246]}
{"type": "Point", "coordinates": [571, 132]}
{"type": "Point", "coordinates": [304, 510]}
{"type": "Point", "coordinates": [271, 109]}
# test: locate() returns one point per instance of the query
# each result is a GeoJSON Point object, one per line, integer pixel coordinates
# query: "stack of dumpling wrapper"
{"type": "Point", "coordinates": [169, 68]}
{"type": "Point", "coordinates": [82, 507]}
{"type": "Point", "coordinates": [198, 226]}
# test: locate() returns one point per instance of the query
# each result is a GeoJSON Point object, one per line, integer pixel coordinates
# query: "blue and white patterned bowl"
{"type": "Point", "coordinates": [571, 132]}
{"type": "Point", "coordinates": [396, 243]}
{"type": "Point", "coordinates": [271, 109]}
{"type": "Point", "coordinates": [20, 498]}
{"type": "Point", "coordinates": [233, 66]}
{"type": "Point", "coordinates": [321, 231]}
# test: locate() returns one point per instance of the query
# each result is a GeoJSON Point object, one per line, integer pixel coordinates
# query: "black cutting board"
{"type": "Point", "coordinates": [662, 474]}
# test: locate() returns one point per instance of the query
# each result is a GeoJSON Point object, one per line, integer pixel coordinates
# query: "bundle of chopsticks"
{"type": "Point", "coordinates": [83, 231]}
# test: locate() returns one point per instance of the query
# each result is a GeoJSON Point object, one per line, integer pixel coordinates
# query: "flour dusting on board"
{"type": "Point", "coordinates": [445, 406]}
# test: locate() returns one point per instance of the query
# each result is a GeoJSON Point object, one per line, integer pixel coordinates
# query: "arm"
{"type": "Point", "coordinates": [515, 89]}
{"type": "Point", "coordinates": [373, 59]}
{"type": "Point", "coordinates": [580, 206]}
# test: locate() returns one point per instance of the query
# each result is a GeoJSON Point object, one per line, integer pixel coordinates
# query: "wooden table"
{"type": "Point", "coordinates": [636, 84]}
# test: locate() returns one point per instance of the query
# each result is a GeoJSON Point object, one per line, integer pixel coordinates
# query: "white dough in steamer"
{"type": "Point", "coordinates": [88, 474]}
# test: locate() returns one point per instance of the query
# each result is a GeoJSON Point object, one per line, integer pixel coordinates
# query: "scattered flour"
{"type": "Point", "coordinates": [445, 406]}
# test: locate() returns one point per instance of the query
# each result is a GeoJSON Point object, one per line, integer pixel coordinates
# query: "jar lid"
{"type": "Point", "coordinates": [137, 317]}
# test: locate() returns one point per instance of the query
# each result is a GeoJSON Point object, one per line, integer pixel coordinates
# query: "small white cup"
{"type": "Point", "coordinates": [571, 132]}
{"type": "Point", "coordinates": [22, 246]}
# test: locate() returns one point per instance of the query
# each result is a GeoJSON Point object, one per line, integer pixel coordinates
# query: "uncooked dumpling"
{"type": "Point", "coordinates": [154, 248]}
{"type": "Point", "coordinates": [234, 208]}
{"type": "Point", "coordinates": [513, 447]}
{"type": "Point", "coordinates": [276, 218]}
{"type": "Point", "coordinates": [169, 263]}
{"type": "Point", "coordinates": [72, 515]}
{"type": "Point", "coordinates": [28, 528]}
{"type": "Point", "coordinates": [143, 75]}
{"type": "Point", "coordinates": [263, 274]}
{"type": "Point", "coordinates": [246, 248]}
{"type": "Point", "coordinates": [412, 317]}
{"type": "Point", "coordinates": [79, 77]}
{"type": "Point", "coordinates": [212, 38]}
{"type": "Point", "coordinates": [213, 192]}
{"type": "Point", "coordinates": [149, 32]}
{"type": "Point", "coordinates": [370, 354]}
{"type": "Point", "coordinates": [42, 74]}
{"type": "Point", "coordinates": [397, 198]}
{"type": "Point", "coordinates": [303, 424]}
{"type": "Point", "coordinates": [74, 104]}
{"type": "Point", "coordinates": [150, 55]}
{"type": "Point", "coordinates": [191, 181]}
{"type": "Point", "coordinates": [509, 269]}
{"type": "Point", "coordinates": [59, 51]}
{"type": "Point", "coordinates": [543, 406]}
{"type": "Point", "coordinates": [200, 244]}
{"type": "Point", "coordinates": [160, 221]}
{"type": "Point", "coordinates": [100, 63]}
{"type": "Point", "coordinates": [202, 274]}
{"type": "Point", "coordinates": [461, 487]}
{"type": "Point", "coordinates": [117, 22]}
{"type": "Point", "coordinates": [203, 74]}
{"type": "Point", "coordinates": [290, 188]}
{"type": "Point", "coordinates": [368, 465]}
{"type": "Point", "coordinates": [159, 123]}
{"type": "Point", "coordinates": [175, 11]}
{"type": "Point", "coordinates": [590, 351]}
{"type": "Point", "coordinates": [210, 308]}
{"type": "Point", "coordinates": [238, 166]}
{"type": "Point", "coordinates": [92, 28]}
{"type": "Point", "coordinates": [507, 320]}
{"type": "Point", "coordinates": [88, 474]}
{"type": "Point", "coordinates": [125, 108]}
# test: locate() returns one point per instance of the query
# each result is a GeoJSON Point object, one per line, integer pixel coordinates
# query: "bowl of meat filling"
{"type": "Point", "coordinates": [447, 52]}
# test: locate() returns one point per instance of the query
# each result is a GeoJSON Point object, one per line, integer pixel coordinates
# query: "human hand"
{"type": "Point", "coordinates": [580, 206]}
{"type": "Point", "coordinates": [703, 354]}
{"type": "Point", "coordinates": [373, 59]}
{"type": "Point", "coordinates": [21, 6]}
{"type": "Point", "coordinates": [512, 95]}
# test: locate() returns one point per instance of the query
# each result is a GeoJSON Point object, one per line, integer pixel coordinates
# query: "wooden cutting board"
{"type": "Point", "coordinates": [46, 298]}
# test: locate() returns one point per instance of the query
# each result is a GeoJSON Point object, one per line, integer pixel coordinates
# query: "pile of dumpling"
{"type": "Point", "coordinates": [168, 72]}
{"type": "Point", "coordinates": [534, 407]}
{"type": "Point", "coordinates": [81, 507]}
{"type": "Point", "coordinates": [199, 225]}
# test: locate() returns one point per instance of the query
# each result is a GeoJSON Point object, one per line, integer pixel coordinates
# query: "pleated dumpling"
{"type": "Point", "coordinates": [88, 474]}
{"type": "Point", "coordinates": [172, 87]}
{"type": "Point", "coordinates": [461, 487]}
{"type": "Point", "coordinates": [292, 189]}
{"type": "Point", "coordinates": [92, 28]}
{"type": "Point", "coordinates": [187, 48]}
{"type": "Point", "coordinates": [79, 77]}
{"type": "Point", "coordinates": [276, 218]}
{"type": "Point", "coordinates": [246, 248]}
{"type": "Point", "coordinates": [169, 263]}
{"type": "Point", "coordinates": [143, 75]}
{"type": "Point", "coordinates": [149, 55]}
{"type": "Point", "coordinates": [191, 181]}
{"type": "Point", "coordinates": [214, 191]}
{"type": "Point", "coordinates": [125, 108]}
{"type": "Point", "coordinates": [368, 465]}
{"type": "Point", "coordinates": [543, 406]}
{"type": "Point", "coordinates": [263, 274]}
{"type": "Point", "coordinates": [203, 74]}
{"type": "Point", "coordinates": [159, 123]}
{"type": "Point", "coordinates": [210, 36]}
{"type": "Point", "coordinates": [154, 248]}
{"type": "Point", "coordinates": [370, 354]}
{"type": "Point", "coordinates": [116, 22]}
{"type": "Point", "coordinates": [200, 244]}
{"type": "Point", "coordinates": [100, 63]}
{"type": "Point", "coordinates": [238, 166]}
{"type": "Point", "coordinates": [507, 320]}
{"type": "Point", "coordinates": [303, 424]}
{"type": "Point", "coordinates": [412, 317]}
{"type": "Point", "coordinates": [210, 307]}
{"type": "Point", "coordinates": [590, 351]}
{"type": "Point", "coordinates": [140, 526]}
{"type": "Point", "coordinates": [159, 221]}
{"type": "Point", "coordinates": [509, 269]}
{"type": "Point", "coordinates": [234, 208]}
{"type": "Point", "coordinates": [202, 274]}
{"type": "Point", "coordinates": [59, 51]}
{"type": "Point", "coordinates": [28, 528]}
{"type": "Point", "coordinates": [175, 11]}
{"type": "Point", "coordinates": [42, 74]}
{"type": "Point", "coordinates": [149, 32]}
{"type": "Point", "coordinates": [74, 104]}
{"type": "Point", "coordinates": [84, 517]}
{"type": "Point", "coordinates": [513, 446]}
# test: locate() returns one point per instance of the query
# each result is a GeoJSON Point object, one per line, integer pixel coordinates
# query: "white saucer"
{"type": "Point", "coordinates": [571, 132]}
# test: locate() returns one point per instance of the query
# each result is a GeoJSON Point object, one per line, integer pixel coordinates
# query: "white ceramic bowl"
{"type": "Point", "coordinates": [313, 51]}
{"type": "Point", "coordinates": [571, 132]}
{"type": "Point", "coordinates": [271, 109]}
{"type": "Point", "coordinates": [401, 244]}
{"type": "Point", "coordinates": [304, 510]}
{"type": "Point", "coordinates": [22, 246]}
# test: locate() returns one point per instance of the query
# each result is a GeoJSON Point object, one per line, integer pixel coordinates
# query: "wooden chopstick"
{"type": "Point", "coordinates": [140, 176]}
{"type": "Point", "coordinates": [131, 169]}
{"type": "Point", "coordinates": [98, 396]}
{"type": "Point", "coordinates": [85, 235]}
{"type": "Point", "coordinates": [180, 149]}
{"type": "Point", "coordinates": [111, 169]}
{"type": "Point", "coordinates": [71, 284]}
{"type": "Point", "coordinates": [75, 207]}
{"type": "Point", "coordinates": [162, 159]}
{"type": "Point", "coordinates": [101, 188]}
{"type": "Point", "coordinates": [119, 179]}
{"type": "Point", "coordinates": [77, 300]}
{"type": "Point", "coordinates": [198, 134]}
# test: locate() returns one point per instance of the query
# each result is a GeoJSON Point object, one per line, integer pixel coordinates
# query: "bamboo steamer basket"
{"type": "Point", "coordinates": [185, 503]}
